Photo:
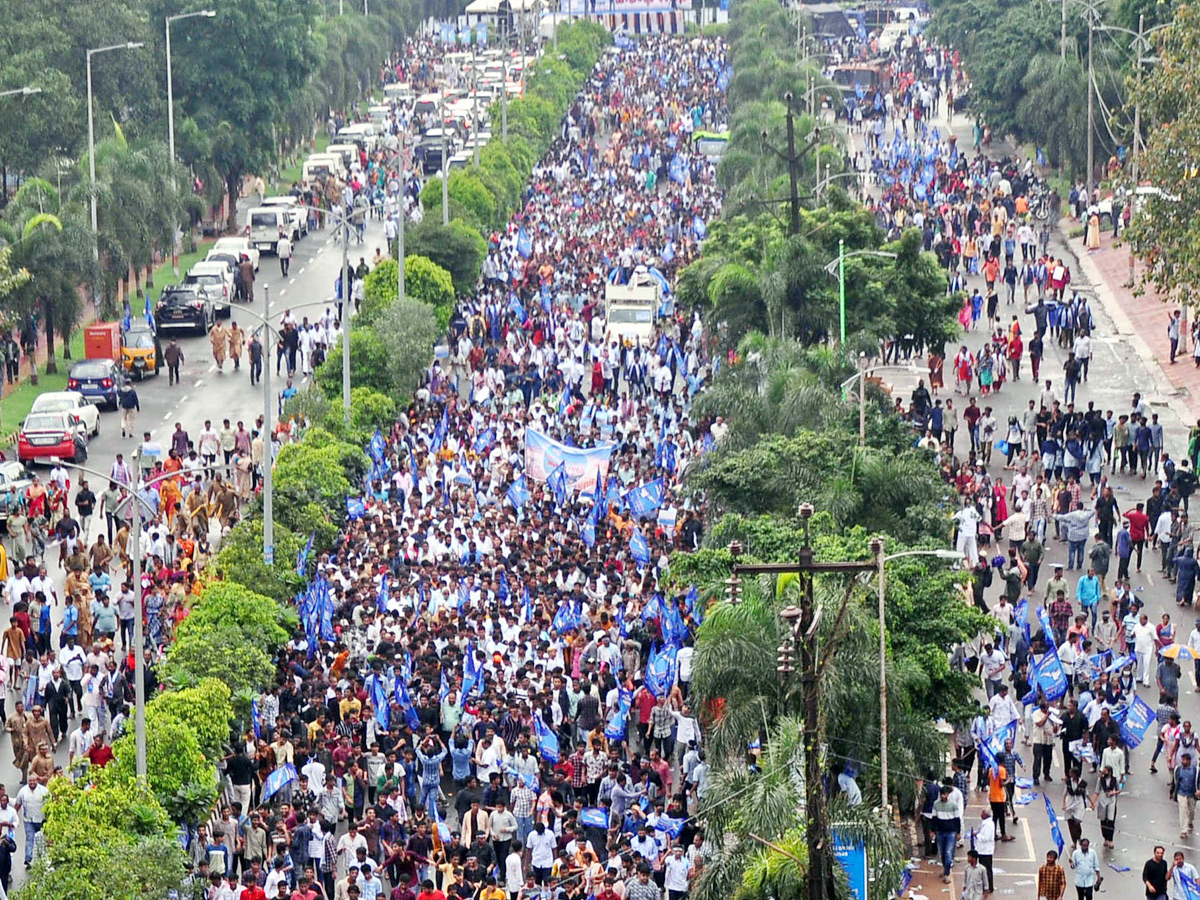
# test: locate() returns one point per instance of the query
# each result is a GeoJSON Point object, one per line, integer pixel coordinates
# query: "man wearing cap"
{"type": "Point", "coordinates": [676, 871]}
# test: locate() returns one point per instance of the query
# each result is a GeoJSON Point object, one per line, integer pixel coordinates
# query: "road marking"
{"type": "Point", "coordinates": [293, 280]}
{"type": "Point", "coordinates": [168, 415]}
{"type": "Point", "coordinates": [212, 368]}
{"type": "Point", "coordinates": [283, 291]}
{"type": "Point", "coordinates": [183, 399]}
{"type": "Point", "coordinates": [1028, 842]}
{"type": "Point", "coordinates": [200, 382]}
{"type": "Point", "coordinates": [301, 270]}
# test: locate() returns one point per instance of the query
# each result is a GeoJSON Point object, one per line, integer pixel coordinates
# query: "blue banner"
{"type": "Point", "coordinates": [645, 499]}
{"type": "Point", "coordinates": [547, 741]}
{"type": "Point", "coordinates": [518, 493]}
{"type": "Point", "coordinates": [638, 548]}
{"type": "Point", "coordinates": [1048, 674]}
{"type": "Point", "coordinates": [851, 853]}
{"type": "Point", "coordinates": [593, 817]}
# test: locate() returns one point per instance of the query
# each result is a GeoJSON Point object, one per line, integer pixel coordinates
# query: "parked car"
{"type": "Point", "coordinates": [72, 402]}
{"type": "Point", "coordinates": [141, 354]}
{"type": "Point", "coordinates": [49, 437]}
{"type": "Point", "coordinates": [215, 277]}
{"type": "Point", "coordinates": [15, 479]}
{"type": "Point", "coordinates": [97, 379]}
{"type": "Point", "coordinates": [185, 306]}
{"type": "Point", "coordinates": [239, 246]}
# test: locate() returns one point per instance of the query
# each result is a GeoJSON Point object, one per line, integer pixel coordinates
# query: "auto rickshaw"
{"type": "Point", "coordinates": [141, 353]}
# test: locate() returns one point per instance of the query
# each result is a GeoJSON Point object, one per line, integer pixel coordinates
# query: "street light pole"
{"type": "Point", "coordinates": [877, 548]}
{"type": "Point", "coordinates": [861, 375]}
{"type": "Point", "coordinates": [23, 91]}
{"type": "Point", "coordinates": [267, 461]}
{"type": "Point", "coordinates": [837, 266]}
{"type": "Point", "coordinates": [130, 45]}
{"type": "Point", "coordinates": [1091, 110]}
{"type": "Point", "coordinates": [208, 14]}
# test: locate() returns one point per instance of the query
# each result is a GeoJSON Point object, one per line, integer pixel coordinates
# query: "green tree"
{"type": "Point", "coordinates": [424, 280]}
{"type": "Point", "coordinates": [205, 708]}
{"type": "Point", "coordinates": [240, 559]}
{"type": "Point", "coordinates": [1166, 229]}
{"type": "Point", "coordinates": [457, 248]}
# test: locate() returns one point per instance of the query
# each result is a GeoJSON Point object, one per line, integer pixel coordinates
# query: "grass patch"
{"type": "Point", "coordinates": [15, 407]}
{"type": "Point", "coordinates": [293, 172]}
{"type": "Point", "coordinates": [165, 275]}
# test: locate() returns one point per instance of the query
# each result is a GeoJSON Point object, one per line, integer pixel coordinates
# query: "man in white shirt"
{"type": "Point", "coordinates": [31, 801]}
{"type": "Point", "coordinates": [968, 528]}
{"type": "Point", "coordinates": [676, 869]}
{"type": "Point", "coordinates": [542, 845]}
{"type": "Point", "coordinates": [347, 847]}
{"type": "Point", "coordinates": [994, 662]}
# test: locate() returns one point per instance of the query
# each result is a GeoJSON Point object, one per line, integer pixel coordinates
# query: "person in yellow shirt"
{"type": "Point", "coordinates": [349, 704]}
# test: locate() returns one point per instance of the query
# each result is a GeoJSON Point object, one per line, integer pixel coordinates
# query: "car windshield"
{"type": "Point", "coordinates": [46, 422]}
{"type": "Point", "coordinates": [53, 404]}
{"type": "Point", "coordinates": [204, 278]}
{"type": "Point", "coordinates": [90, 370]}
{"type": "Point", "coordinates": [139, 340]}
{"type": "Point", "coordinates": [178, 297]}
{"type": "Point", "coordinates": [628, 315]}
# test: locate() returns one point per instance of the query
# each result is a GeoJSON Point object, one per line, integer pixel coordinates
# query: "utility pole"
{"type": "Point", "coordinates": [804, 621]}
{"type": "Point", "coordinates": [793, 167]}
{"type": "Point", "coordinates": [1062, 41]}
{"type": "Point", "coordinates": [1091, 115]}
{"type": "Point", "coordinates": [268, 490]}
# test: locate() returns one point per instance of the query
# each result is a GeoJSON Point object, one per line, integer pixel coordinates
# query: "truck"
{"type": "Point", "coordinates": [632, 308]}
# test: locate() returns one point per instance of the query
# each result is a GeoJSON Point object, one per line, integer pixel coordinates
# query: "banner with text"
{"type": "Point", "coordinates": [544, 454]}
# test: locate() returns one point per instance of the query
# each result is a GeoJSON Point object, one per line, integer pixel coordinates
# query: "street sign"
{"type": "Point", "coordinates": [851, 852]}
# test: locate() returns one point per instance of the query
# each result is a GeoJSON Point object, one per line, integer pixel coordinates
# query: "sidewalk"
{"type": "Point", "coordinates": [1141, 319]}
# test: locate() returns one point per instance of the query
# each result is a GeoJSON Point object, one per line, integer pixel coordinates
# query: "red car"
{"type": "Point", "coordinates": [50, 436]}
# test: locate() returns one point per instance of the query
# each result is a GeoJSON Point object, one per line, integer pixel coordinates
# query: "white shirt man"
{"type": "Point", "coordinates": [676, 869]}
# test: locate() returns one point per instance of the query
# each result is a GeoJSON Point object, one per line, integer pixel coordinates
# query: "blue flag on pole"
{"type": "Point", "coordinates": [645, 499]}
{"type": "Point", "coordinates": [1138, 719]}
{"type": "Point", "coordinates": [483, 440]}
{"type": "Point", "coordinates": [379, 700]}
{"type": "Point", "coordinates": [277, 780]}
{"type": "Point", "coordinates": [355, 508]}
{"type": "Point", "coordinates": [557, 482]}
{"type": "Point", "coordinates": [127, 322]}
{"type": "Point", "coordinates": [524, 243]}
{"type": "Point", "coordinates": [674, 629]}
{"type": "Point", "coordinates": [255, 718]}
{"type": "Point", "coordinates": [547, 741]}
{"type": "Point", "coordinates": [402, 697]}
{"type": "Point", "coordinates": [443, 687]}
{"type": "Point", "coordinates": [1021, 615]}
{"type": "Point", "coordinates": [517, 493]}
{"type": "Point", "coordinates": [660, 670]}
{"type": "Point", "coordinates": [593, 817]}
{"type": "Point", "coordinates": [1055, 831]}
{"type": "Point", "coordinates": [376, 446]}
{"type": "Point", "coordinates": [638, 548]}
{"type": "Point", "coordinates": [381, 599]}
{"type": "Point", "coordinates": [302, 556]}
{"type": "Point", "coordinates": [671, 826]}
{"type": "Point", "coordinates": [1048, 674]}
{"type": "Point", "coordinates": [699, 228]}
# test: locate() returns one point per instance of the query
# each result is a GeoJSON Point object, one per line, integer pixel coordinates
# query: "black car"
{"type": "Point", "coordinates": [185, 306]}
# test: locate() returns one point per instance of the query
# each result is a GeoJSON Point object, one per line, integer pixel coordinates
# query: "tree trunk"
{"type": "Point", "coordinates": [233, 185]}
{"type": "Point", "coordinates": [48, 316]}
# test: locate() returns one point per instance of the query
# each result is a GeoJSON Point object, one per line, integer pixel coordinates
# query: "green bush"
{"type": "Point", "coordinates": [240, 559]}
{"type": "Point", "coordinates": [262, 621]}
{"type": "Point", "coordinates": [204, 707]}
{"type": "Point", "coordinates": [218, 652]}
{"type": "Point", "coordinates": [184, 782]}
{"type": "Point", "coordinates": [424, 280]}
{"type": "Point", "coordinates": [458, 248]}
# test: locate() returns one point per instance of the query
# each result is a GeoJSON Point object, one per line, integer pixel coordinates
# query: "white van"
{"type": "Point", "coordinates": [379, 115]}
{"type": "Point", "coordinates": [363, 134]}
{"type": "Point", "coordinates": [347, 152]}
{"type": "Point", "coordinates": [297, 216]}
{"type": "Point", "coordinates": [267, 225]}
{"type": "Point", "coordinates": [321, 165]}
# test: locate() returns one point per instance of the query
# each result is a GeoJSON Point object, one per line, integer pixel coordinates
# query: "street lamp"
{"type": "Point", "coordinates": [23, 91]}
{"type": "Point", "coordinates": [837, 266]}
{"type": "Point", "coordinates": [129, 45]}
{"type": "Point", "coordinates": [861, 375]}
{"type": "Point", "coordinates": [877, 549]}
{"type": "Point", "coordinates": [207, 14]}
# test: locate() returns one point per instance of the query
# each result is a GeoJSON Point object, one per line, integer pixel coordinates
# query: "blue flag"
{"type": "Point", "coordinates": [355, 508]}
{"type": "Point", "coordinates": [277, 780]}
{"type": "Point", "coordinates": [638, 548]}
{"type": "Point", "coordinates": [443, 687]}
{"type": "Point", "coordinates": [1021, 615]}
{"type": "Point", "coordinates": [671, 826]}
{"type": "Point", "coordinates": [677, 170]}
{"type": "Point", "coordinates": [1047, 674]}
{"type": "Point", "coordinates": [483, 440]}
{"type": "Point", "coordinates": [526, 605]}
{"type": "Point", "coordinates": [660, 670]}
{"type": "Point", "coordinates": [127, 322]}
{"type": "Point", "coordinates": [376, 447]}
{"type": "Point", "coordinates": [379, 700]}
{"type": "Point", "coordinates": [381, 599]}
{"type": "Point", "coordinates": [1041, 157]}
{"type": "Point", "coordinates": [699, 228]}
{"type": "Point", "coordinates": [402, 697]}
{"type": "Point", "coordinates": [302, 556]}
{"type": "Point", "coordinates": [593, 817]}
{"type": "Point", "coordinates": [1055, 831]}
{"type": "Point", "coordinates": [564, 402]}
{"type": "Point", "coordinates": [1188, 889]}
{"type": "Point", "coordinates": [517, 493]}
{"type": "Point", "coordinates": [255, 718]}
{"type": "Point", "coordinates": [524, 243]}
{"type": "Point", "coordinates": [1139, 718]}
{"type": "Point", "coordinates": [674, 629]}
{"type": "Point", "coordinates": [565, 619]}
{"type": "Point", "coordinates": [557, 482]}
{"type": "Point", "coordinates": [547, 741]}
{"type": "Point", "coordinates": [645, 499]}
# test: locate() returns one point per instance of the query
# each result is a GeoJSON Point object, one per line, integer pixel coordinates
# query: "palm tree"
{"type": "Point", "coordinates": [756, 827]}
{"type": "Point", "coordinates": [51, 242]}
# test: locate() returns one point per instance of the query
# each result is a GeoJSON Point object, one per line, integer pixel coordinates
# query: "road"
{"type": "Point", "coordinates": [1145, 816]}
{"type": "Point", "coordinates": [205, 393]}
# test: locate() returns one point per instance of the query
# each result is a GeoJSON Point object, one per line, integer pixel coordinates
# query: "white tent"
{"type": "Point", "coordinates": [492, 7]}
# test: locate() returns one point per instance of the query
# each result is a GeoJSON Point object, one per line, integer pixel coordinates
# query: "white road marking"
{"type": "Point", "coordinates": [167, 416]}
{"type": "Point", "coordinates": [200, 383]}
{"type": "Point", "coordinates": [283, 291]}
{"type": "Point", "coordinates": [293, 280]}
{"type": "Point", "coordinates": [302, 271]}
{"type": "Point", "coordinates": [183, 399]}
{"type": "Point", "coordinates": [213, 367]}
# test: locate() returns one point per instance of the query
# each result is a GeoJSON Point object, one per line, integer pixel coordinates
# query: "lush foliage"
{"type": "Point", "coordinates": [113, 839]}
{"type": "Point", "coordinates": [183, 780]}
{"type": "Point", "coordinates": [424, 280]}
{"type": "Point", "coordinates": [1167, 228]}
{"type": "Point", "coordinates": [240, 559]}
{"type": "Point", "coordinates": [205, 708]}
